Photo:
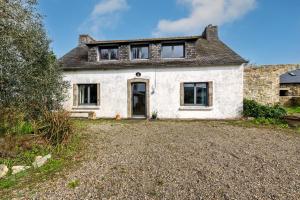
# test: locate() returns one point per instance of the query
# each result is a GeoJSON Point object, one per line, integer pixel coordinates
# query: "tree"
{"type": "Point", "coordinates": [30, 77]}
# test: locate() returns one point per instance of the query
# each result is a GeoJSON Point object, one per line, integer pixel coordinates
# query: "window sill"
{"type": "Point", "coordinates": [103, 61]}
{"type": "Point", "coordinates": [87, 107]}
{"type": "Point", "coordinates": [173, 58]}
{"type": "Point", "coordinates": [137, 60]}
{"type": "Point", "coordinates": [196, 108]}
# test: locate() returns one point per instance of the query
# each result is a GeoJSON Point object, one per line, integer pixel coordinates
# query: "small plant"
{"type": "Point", "coordinates": [56, 126]}
{"type": "Point", "coordinates": [73, 184]}
{"type": "Point", "coordinates": [154, 115]}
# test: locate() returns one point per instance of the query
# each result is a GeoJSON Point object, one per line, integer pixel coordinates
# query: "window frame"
{"type": "Point", "coordinates": [109, 48]}
{"type": "Point", "coordinates": [139, 46]}
{"type": "Point", "coordinates": [195, 94]}
{"type": "Point", "coordinates": [89, 94]}
{"type": "Point", "coordinates": [173, 45]}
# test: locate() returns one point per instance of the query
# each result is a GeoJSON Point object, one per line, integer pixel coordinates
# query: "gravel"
{"type": "Point", "coordinates": [180, 160]}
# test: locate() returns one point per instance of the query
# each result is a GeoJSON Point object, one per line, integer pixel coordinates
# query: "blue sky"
{"type": "Point", "coordinates": [262, 31]}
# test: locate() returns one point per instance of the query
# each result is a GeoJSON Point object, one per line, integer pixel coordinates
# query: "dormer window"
{"type": "Point", "coordinates": [109, 53]}
{"type": "Point", "coordinates": [139, 52]}
{"type": "Point", "coordinates": [172, 51]}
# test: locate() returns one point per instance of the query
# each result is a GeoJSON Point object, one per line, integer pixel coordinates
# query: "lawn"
{"type": "Point", "coordinates": [179, 160]}
{"type": "Point", "coordinates": [293, 110]}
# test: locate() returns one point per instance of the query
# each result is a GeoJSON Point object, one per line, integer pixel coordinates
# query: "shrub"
{"type": "Point", "coordinates": [56, 126]}
{"type": "Point", "coordinates": [12, 121]}
{"type": "Point", "coordinates": [256, 110]}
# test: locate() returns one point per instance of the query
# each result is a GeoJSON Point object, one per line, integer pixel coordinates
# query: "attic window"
{"type": "Point", "coordinates": [140, 52]}
{"type": "Point", "coordinates": [172, 51]}
{"type": "Point", "coordinates": [109, 53]}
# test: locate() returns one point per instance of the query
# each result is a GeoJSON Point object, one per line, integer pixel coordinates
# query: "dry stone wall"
{"type": "Point", "coordinates": [262, 83]}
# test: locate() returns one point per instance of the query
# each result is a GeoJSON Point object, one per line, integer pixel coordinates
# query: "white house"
{"type": "Point", "coordinates": [194, 77]}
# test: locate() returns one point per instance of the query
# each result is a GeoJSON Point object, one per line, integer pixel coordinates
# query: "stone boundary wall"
{"type": "Point", "coordinates": [261, 83]}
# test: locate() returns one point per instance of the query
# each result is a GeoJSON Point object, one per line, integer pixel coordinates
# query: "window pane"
{"type": "Point", "coordinates": [140, 52]}
{"type": "Point", "coordinates": [178, 51]}
{"type": "Point", "coordinates": [188, 93]}
{"type": "Point", "coordinates": [172, 51]}
{"type": "Point", "coordinates": [83, 94]}
{"type": "Point", "coordinates": [104, 54]}
{"type": "Point", "coordinates": [134, 53]}
{"type": "Point", "coordinates": [113, 54]}
{"type": "Point", "coordinates": [166, 52]}
{"type": "Point", "coordinates": [93, 94]}
{"type": "Point", "coordinates": [144, 52]}
{"type": "Point", "coordinates": [201, 94]}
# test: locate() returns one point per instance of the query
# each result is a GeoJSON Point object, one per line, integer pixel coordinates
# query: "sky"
{"type": "Point", "coordinates": [261, 31]}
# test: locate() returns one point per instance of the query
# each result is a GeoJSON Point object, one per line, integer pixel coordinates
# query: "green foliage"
{"type": "Point", "coordinates": [30, 76]}
{"type": "Point", "coordinates": [256, 110]}
{"type": "Point", "coordinates": [56, 126]}
{"type": "Point", "coordinates": [73, 184]}
{"type": "Point", "coordinates": [292, 110]}
{"type": "Point", "coordinates": [62, 156]}
{"type": "Point", "coordinates": [154, 115]}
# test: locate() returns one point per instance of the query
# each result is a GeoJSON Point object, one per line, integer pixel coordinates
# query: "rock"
{"type": "Point", "coordinates": [3, 170]}
{"type": "Point", "coordinates": [40, 160]}
{"type": "Point", "coordinates": [17, 169]}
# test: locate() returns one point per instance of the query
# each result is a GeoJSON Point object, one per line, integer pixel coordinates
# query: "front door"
{"type": "Point", "coordinates": [138, 99]}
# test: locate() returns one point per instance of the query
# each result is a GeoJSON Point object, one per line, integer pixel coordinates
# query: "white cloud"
{"type": "Point", "coordinates": [202, 13]}
{"type": "Point", "coordinates": [105, 15]}
{"type": "Point", "coordinates": [109, 6]}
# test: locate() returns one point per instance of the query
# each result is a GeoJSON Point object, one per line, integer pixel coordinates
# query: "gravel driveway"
{"type": "Point", "coordinates": [181, 160]}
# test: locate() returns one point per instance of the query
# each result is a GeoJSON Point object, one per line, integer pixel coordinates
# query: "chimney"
{"type": "Point", "coordinates": [85, 39]}
{"type": "Point", "coordinates": [211, 33]}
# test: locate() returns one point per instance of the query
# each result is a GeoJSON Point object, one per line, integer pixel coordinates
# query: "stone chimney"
{"type": "Point", "coordinates": [211, 32]}
{"type": "Point", "coordinates": [84, 39]}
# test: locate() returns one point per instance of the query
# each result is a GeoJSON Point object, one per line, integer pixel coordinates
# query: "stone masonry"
{"type": "Point", "coordinates": [262, 83]}
{"type": "Point", "coordinates": [154, 52]}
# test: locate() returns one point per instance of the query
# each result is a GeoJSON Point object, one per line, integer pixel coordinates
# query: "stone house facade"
{"type": "Point", "coordinates": [191, 77]}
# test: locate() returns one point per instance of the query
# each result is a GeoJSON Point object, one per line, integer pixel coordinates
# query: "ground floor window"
{"type": "Point", "coordinates": [284, 92]}
{"type": "Point", "coordinates": [196, 94]}
{"type": "Point", "coordinates": [87, 94]}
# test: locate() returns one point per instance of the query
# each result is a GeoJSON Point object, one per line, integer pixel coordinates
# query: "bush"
{"type": "Point", "coordinates": [56, 126]}
{"type": "Point", "coordinates": [256, 110]}
{"type": "Point", "coordinates": [12, 121]}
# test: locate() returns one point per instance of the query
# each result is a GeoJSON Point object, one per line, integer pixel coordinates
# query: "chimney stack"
{"type": "Point", "coordinates": [211, 32]}
{"type": "Point", "coordinates": [85, 39]}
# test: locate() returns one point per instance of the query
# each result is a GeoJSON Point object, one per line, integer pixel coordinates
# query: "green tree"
{"type": "Point", "coordinates": [30, 76]}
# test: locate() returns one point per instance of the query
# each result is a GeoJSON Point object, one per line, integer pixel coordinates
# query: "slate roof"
{"type": "Point", "coordinates": [209, 53]}
{"type": "Point", "coordinates": [290, 77]}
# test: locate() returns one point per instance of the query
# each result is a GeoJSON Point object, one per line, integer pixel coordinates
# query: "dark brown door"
{"type": "Point", "coordinates": [138, 99]}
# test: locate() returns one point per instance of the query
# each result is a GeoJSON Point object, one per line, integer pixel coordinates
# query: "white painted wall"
{"type": "Point", "coordinates": [165, 90]}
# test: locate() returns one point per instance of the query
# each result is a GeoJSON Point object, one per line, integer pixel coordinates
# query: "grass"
{"type": "Point", "coordinates": [73, 184]}
{"type": "Point", "coordinates": [62, 157]}
{"type": "Point", "coordinates": [260, 123]}
{"type": "Point", "coordinates": [292, 110]}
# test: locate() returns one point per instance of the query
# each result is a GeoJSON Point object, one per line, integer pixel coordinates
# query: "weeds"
{"type": "Point", "coordinates": [73, 184]}
{"type": "Point", "coordinates": [62, 156]}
